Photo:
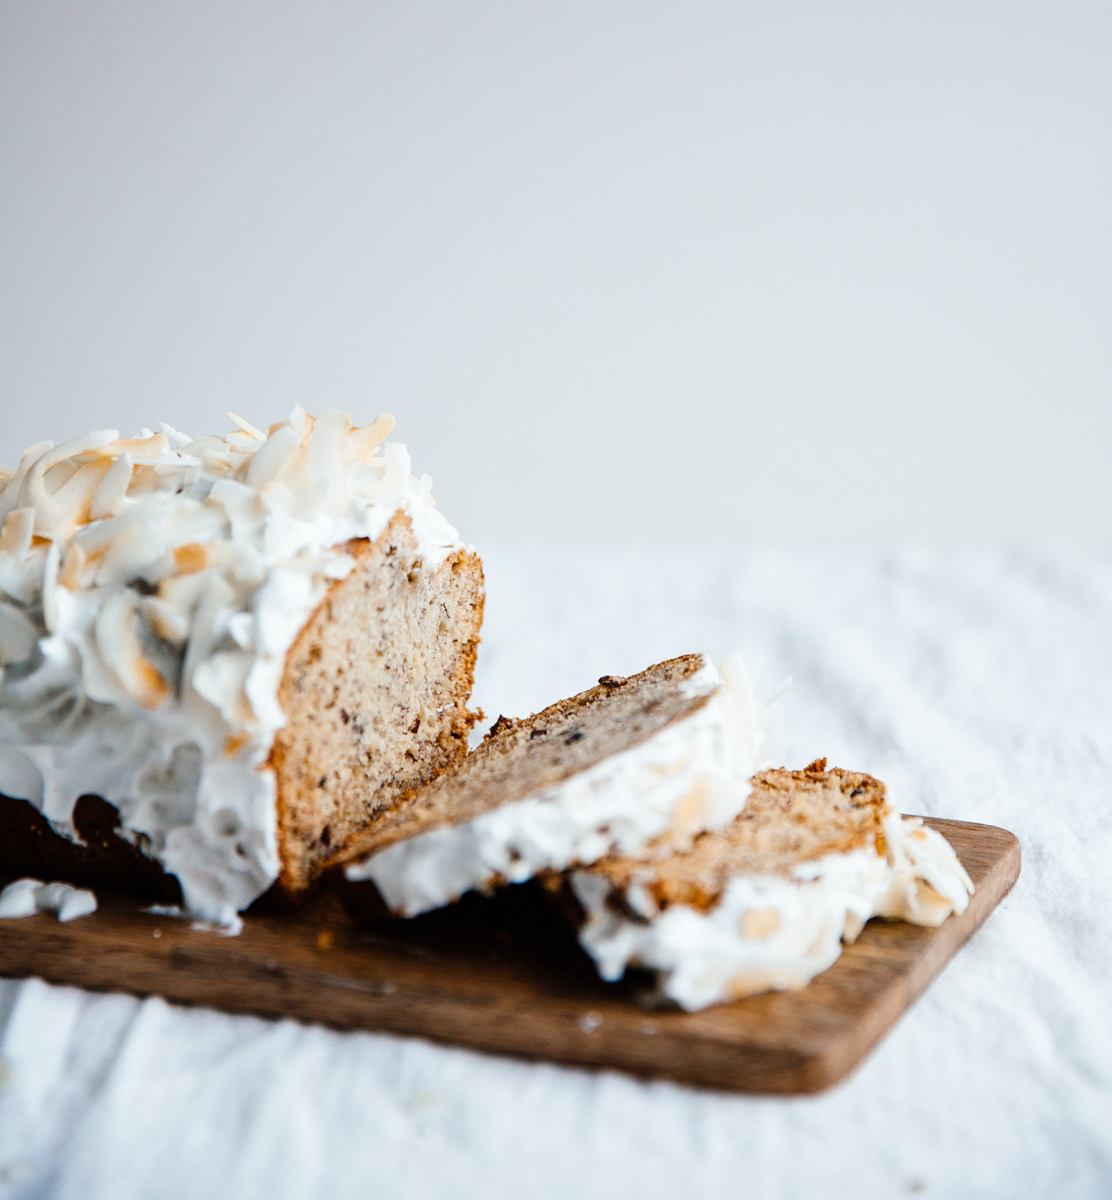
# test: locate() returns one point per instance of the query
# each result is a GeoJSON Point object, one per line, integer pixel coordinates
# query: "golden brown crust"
{"type": "Point", "coordinates": [791, 817]}
{"type": "Point", "coordinates": [375, 692]}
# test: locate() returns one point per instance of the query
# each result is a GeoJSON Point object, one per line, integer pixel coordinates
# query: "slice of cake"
{"type": "Point", "coordinates": [768, 901]}
{"type": "Point", "coordinates": [634, 766]}
{"type": "Point", "coordinates": [248, 645]}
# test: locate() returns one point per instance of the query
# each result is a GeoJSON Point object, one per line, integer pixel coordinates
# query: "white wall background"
{"type": "Point", "coordinates": [818, 272]}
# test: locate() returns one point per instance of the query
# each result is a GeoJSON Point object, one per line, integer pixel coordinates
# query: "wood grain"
{"type": "Point", "coordinates": [503, 975]}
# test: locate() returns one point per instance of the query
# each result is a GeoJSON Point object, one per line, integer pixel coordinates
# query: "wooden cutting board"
{"type": "Point", "coordinates": [503, 975]}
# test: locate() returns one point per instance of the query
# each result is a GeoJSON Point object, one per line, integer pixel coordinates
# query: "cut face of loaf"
{"type": "Point", "coordinates": [375, 695]}
{"type": "Point", "coordinates": [637, 765]}
{"type": "Point", "coordinates": [766, 902]}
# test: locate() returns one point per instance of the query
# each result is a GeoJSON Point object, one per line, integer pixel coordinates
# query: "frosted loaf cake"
{"type": "Point", "coordinates": [636, 766]}
{"type": "Point", "coordinates": [768, 901]}
{"type": "Point", "coordinates": [249, 645]}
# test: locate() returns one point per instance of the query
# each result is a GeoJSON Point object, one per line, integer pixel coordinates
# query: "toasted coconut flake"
{"type": "Point", "coordinates": [235, 743]}
{"type": "Point", "coordinates": [48, 513]}
{"type": "Point", "coordinates": [150, 688]}
{"type": "Point", "coordinates": [393, 481]}
{"type": "Point", "coordinates": [73, 572]}
{"type": "Point", "coordinates": [58, 475]}
{"type": "Point", "coordinates": [110, 497]}
{"type": "Point", "coordinates": [242, 444]}
{"type": "Point", "coordinates": [73, 500]}
{"type": "Point", "coordinates": [272, 457]}
{"type": "Point", "coordinates": [365, 441]}
{"type": "Point", "coordinates": [147, 479]}
{"type": "Point", "coordinates": [165, 621]}
{"type": "Point", "coordinates": [182, 439]}
{"type": "Point", "coordinates": [154, 445]}
{"type": "Point", "coordinates": [302, 422]}
{"type": "Point", "coordinates": [9, 498]}
{"type": "Point", "coordinates": [181, 593]}
{"type": "Point", "coordinates": [15, 537]}
{"type": "Point", "coordinates": [117, 630]}
{"type": "Point", "coordinates": [325, 461]}
{"type": "Point", "coordinates": [246, 426]}
{"type": "Point", "coordinates": [190, 558]}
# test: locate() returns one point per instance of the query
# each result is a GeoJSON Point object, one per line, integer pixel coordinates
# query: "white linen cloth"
{"type": "Point", "coordinates": [978, 687]}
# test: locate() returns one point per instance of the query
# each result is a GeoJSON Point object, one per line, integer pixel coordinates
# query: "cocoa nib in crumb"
{"type": "Point", "coordinates": [501, 726]}
{"type": "Point", "coordinates": [611, 681]}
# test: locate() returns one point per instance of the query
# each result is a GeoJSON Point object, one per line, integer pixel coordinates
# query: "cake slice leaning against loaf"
{"type": "Point", "coordinates": [767, 902]}
{"type": "Point", "coordinates": [636, 766]}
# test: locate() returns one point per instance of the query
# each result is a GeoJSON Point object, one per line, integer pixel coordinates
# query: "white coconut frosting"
{"type": "Point", "coordinates": [149, 591]}
{"type": "Point", "coordinates": [691, 776]}
{"type": "Point", "coordinates": [771, 931]}
{"type": "Point", "coordinates": [26, 897]}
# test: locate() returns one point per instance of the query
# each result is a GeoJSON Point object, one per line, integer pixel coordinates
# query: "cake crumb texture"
{"type": "Point", "coordinates": [791, 817]}
{"type": "Point", "coordinates": [375, 692]}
